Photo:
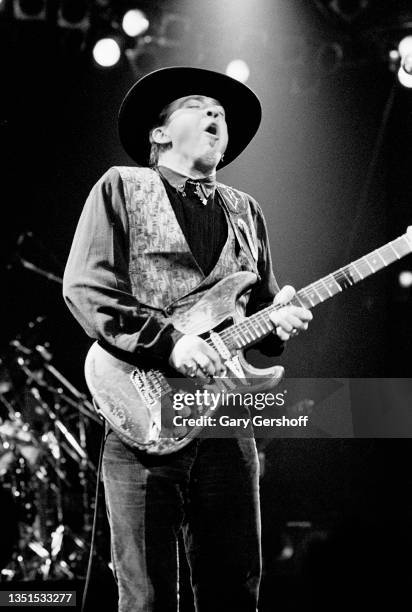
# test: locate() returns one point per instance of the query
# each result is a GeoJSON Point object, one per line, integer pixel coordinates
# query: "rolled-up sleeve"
{"type": "Point", "coordinates": [96, 283]}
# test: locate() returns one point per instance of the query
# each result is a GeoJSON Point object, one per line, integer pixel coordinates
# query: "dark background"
{"type": "Point", "coordinates": [331, 167]}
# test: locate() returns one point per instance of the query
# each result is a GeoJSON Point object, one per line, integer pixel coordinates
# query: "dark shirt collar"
{"type": "Point", "coordinates": [178, 181]}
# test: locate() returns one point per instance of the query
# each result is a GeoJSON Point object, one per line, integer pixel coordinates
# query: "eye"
{"type": "Point", "coordinates": [193, 104]}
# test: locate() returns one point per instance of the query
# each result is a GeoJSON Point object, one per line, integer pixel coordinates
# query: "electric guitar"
{"type": "Point", "coordinates": [139, 402]}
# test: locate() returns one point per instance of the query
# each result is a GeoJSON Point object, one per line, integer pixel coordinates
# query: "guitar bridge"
{"type": "Point", "coordinates": [142, 382]}
{"type": "Point", "coordinates": [150, 385]}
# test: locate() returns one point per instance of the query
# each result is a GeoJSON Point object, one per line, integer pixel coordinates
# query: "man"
{"type": "Point", "coordinates": [149, 244]}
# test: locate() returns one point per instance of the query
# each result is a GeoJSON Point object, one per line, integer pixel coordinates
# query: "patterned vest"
{"type": "Point", "coordinates": [164, 275]}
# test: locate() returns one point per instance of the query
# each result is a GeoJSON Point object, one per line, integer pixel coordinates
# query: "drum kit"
{"type": "Point", "coordinates": [46, 476]}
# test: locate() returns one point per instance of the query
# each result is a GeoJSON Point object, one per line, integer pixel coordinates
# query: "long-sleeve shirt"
{"type": "Point", "coordinates": [96, 284]}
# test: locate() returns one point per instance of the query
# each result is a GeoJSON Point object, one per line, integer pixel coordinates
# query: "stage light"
{"type": "Point", "coordinates": [405, 54]}
{"type": "Point", "coordinates": [405, 279]}
{"type": "Point", "coordinates": [393, 60]}
{"type": "Point", "coordinates": [405, 72]}
{"type": "Point", "coordinates": [73, 14]}
{"type": "Point", "coordinates": [394, 55]}
{"type": "Point", "coordinates": [406, 64]}
{"type": "Point", "coordinates": [106, 52]}
{"type": "Point", "coordinates": [405, 46]}
{"type": "Point", "coordinates": [404, 78]}
{"type": "Point", "coordinates": [30, 9]}
{"type": "Point", "coordinates": [135, 23]}
{"type": "Point", "coordinates": [239, 70]}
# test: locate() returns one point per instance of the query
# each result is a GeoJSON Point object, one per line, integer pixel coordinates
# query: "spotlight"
{"type": "Point", "coordinates": [394, 55]}
{"type": "Point", "coordinates": [405, 279]}
{"type": "Point", "coordinates": [407, 64]}
{"type": "Point", "coordinates": [30, 9]}
{"type": "Point", "coordinates": [405, 72]}
{"type": "Point", "coordinates": [107, 52]}
{"type": "Point", "coordinates": [135, 23]}
{"type": "Point", "coordinates": [393, 60]}
{"type": "Point", "coordinates": [405, 53]}
{"type": "Point", "coordinates": [239, 70]}
{"type": "Point", "coordinates": [73, 14]}
{"type": "Point", "coordinates": [405, 46]}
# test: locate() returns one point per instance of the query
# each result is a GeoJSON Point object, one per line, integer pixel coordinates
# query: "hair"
{"type": "Point", "coordinates": [156, 149]}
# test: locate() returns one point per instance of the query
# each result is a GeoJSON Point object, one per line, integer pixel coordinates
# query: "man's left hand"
{"type": "Point", "coordinates": [289, 320]}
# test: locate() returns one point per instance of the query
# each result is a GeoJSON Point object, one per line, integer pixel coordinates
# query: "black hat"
{"type": "Point", "coordinates": [143, 103]}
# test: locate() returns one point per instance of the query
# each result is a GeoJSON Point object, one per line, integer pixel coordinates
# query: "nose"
{"type": "Point", "coordinates": [213, 112]}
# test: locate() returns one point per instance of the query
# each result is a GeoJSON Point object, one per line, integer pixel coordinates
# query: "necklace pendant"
{"type": "Point", "coordinates": [201, 195]}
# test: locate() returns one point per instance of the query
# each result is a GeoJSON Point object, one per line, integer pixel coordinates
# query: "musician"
{"type": "Point", "coordinates": [149, 244]}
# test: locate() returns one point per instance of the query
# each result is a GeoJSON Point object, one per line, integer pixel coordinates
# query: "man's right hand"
{"type": "Point", "coordinates": [192, 356]}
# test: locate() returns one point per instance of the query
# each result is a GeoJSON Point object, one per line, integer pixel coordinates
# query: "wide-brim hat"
{"type": "Point", "coordinates": [143, 103]}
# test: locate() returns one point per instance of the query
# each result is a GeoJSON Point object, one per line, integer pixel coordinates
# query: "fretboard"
{"type": "Point", "coordinates": [254, 328]}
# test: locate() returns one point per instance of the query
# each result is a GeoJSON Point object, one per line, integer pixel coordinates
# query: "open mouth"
{"type": "Point", "coordinates": [212, 129]}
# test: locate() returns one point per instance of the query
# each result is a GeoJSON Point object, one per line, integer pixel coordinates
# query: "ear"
{"type": "Point", "coordinates": [160, 135]}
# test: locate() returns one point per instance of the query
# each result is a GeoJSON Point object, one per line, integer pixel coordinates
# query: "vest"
{"type": "Point", "coordinates": [164, 275]}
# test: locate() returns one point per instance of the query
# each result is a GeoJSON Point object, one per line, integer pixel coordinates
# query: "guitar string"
{"type": "Point", "coordinates": [343, 274]}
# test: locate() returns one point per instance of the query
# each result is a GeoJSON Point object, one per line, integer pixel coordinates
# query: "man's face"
{"type": "Point", "coordinates": [196, 127]}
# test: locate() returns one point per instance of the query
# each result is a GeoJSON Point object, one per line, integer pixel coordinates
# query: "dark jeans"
{"type": "Point", "coordinates": [210, 490]}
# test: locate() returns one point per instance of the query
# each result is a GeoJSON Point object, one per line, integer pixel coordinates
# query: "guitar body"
{"type": "Point", "coordinates": [137, 402]}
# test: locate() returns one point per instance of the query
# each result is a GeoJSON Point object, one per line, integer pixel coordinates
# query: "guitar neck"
{"type": "Point", "coordinates": [254, 328]}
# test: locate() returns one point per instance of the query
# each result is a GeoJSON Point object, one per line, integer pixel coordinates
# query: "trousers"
{"type": "Point", "coordinates": [209, 490]}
